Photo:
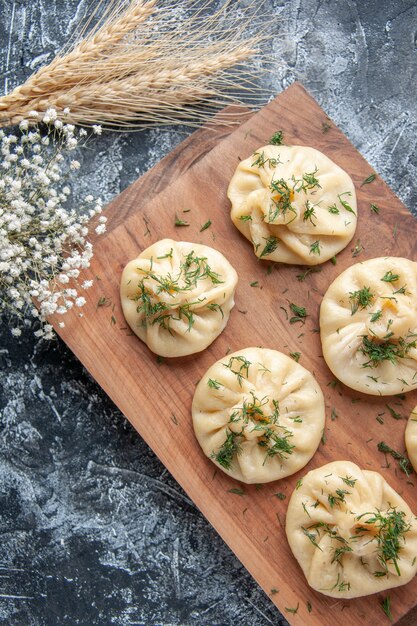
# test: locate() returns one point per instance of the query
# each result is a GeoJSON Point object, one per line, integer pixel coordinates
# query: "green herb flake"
{"type": "Point", "coordinates": [315, 247]}
{"type": "Point", "coordinates": [270, 246]}
{"type": "Point", "coordinates": [368, 180]}
{"type": "Point", "coordinates": [237, 491]}
{"type": "Point", "coordinates": [179, 221]}
{"type": "Point", "coordinates": [214, 384]}
{"type": "Point", "coordinates": [103, 301]}
{"type": "Point", "coordinates": [345, 204]}
{"type": "Point", "coordinates": [403, 462]}
{"type": "Point", "coordinates": [333, 415]}
{"type": "Point", "coordinates": [357, 249]}
{"type": "Point", "coordinates": [277, 138]}
{"type": "Point", "coordinates": [386, 607]}
{"type": "Point", "coordinates": [255, 283]}
{"type": "Point", "coordinates": [300, 314]}
{"type": "Point", "coordinates": [280, 495]}
{"type": "Point", "coordinates": [309, 606]}
{"type": "Point", "coordinates": [389, 277]}
{"type": "Point", "coordinates": [274, 591]}
{"type": "Point", "coordinates": [325, 127]}
{"type": "Point", "coordinates": [360, 299]}
{"type": "Point", "coordinates": [292, 610]}
{"type": "Point", "coordinates": [205, 226]}
{"type": "Point", "coordinates": [296, 356]}
{"type": "Point", "coordinates": [309, 270]}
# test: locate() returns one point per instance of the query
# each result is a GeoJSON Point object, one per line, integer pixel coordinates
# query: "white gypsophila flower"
{"type": "Point", "coordinates": [100, 229]}
{"type": "Point", "coordinates": [97, 130]}
{"type": "Point", "coordinates": [35, 227]}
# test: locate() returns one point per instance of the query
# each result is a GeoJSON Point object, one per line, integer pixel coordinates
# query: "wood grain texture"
{"type": "Point", "coordinates": [156, 397]}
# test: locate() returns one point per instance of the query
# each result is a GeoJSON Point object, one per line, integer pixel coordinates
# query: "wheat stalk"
{"type": "Point", "coordinates": [138, 67]}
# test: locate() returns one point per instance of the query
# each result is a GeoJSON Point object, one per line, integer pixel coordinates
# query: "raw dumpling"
{"type": "Point", "coordinates": [411, 438]}
{"type": "Point", "coordinates": [294, 204]}
{"type": "Point", "coordinates": [258, 415]}
{"type": "Point", "coordinates": [177, 296]}
{"type": "Point", "coordinates": [351, 533]}
{"type": "Point", "coordinates": [368, 325]}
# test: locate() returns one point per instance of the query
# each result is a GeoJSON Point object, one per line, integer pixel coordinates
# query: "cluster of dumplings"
{"type": "Point", "coordinates": [258, 414]}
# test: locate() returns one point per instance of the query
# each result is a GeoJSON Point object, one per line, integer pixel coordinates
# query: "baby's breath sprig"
{"type": "Point", "coordinates": [43, 243]}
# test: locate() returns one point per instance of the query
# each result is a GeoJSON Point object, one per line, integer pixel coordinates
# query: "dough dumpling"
{"type": "Point", "coordinates": [294, 204]}
{"type": "Point", "coordinates": [368, 326]}
{"type": "Point", "coordinates": [411, 438]}
{"type": "Point", "coordinates": [177, 296]}
{"type": "Point", "coordinates": [350, 532]}
{"type": "Point", "coordinates": [258, 415]}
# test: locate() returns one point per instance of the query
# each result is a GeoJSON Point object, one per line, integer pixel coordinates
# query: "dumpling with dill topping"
{"type": "Point", "coordinates": [368, 326]}
{"type": "Point", "coordinates": [177, 296]}
{"type": "Point", "coordinates": [294, 204]}
{"type": "Point", "coordinates": [351, 533]}
{"type": "Point", "coordinates": [258, 415]}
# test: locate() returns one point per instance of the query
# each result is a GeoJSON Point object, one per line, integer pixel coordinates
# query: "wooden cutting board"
{"type": "Point", "coordinates": [156, 397]}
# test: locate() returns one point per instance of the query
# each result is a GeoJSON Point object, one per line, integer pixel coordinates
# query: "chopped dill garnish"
{"type": "Point", "coordinates": [312, 537]}
{"type": "Point", "coordinates": [338, 498]}
{"type": "Point", "coordinates": [292, 610]}
{"type": "Point", "coordinates": [242, 367]}
{"type": "Point", "coordinates": [103, 301]}
{"type": "Point", "coordinates": [214, 384]}
{"type": "Point", "coordinates": [394, 413]}
{"type": "Point", "coordinates": [376, 316]}
{"type": "Point", "coordinates": [360, 299]}
{"type": "Point", "coordinates": [315, 247]}
{"type": "Point", "coordinates": [281, 199]}
{"type": "Point", "coordinates": [403, 461]}
{"type": "Point", "coordinates": [333, 209]}
{"type": "Point", "coordinates": [261, 161]}
{"type": "Point", "coordinates": [277, 138]}
{"type": "Point", "coordinates": [280, 495]}
{"type": "Point", "coordinates": [386, 607]}
{"type": "Point", "coordinates": [309, 212]}
{"type": "Point", "coordinates": [309, 270]}
{"type": "Point", "coordinates": [231, 447]}
{"type": "Point", "coordinates": [180, 222]}
{"type": "Point", "coordinates": [245, 218]}
{"type": "Point", "coordinates": [357, 249]}
{"type": "Point", "coordinates": [389, 277]}
{"type": "Point", "coordinates": [300, 314]}
{"type": "Point", "coordinates": [345, 204]}
{"type": "Point", "coordinates": [348, 480]}
{"type": "Point", "coordinates": [270, 246]}
{"type": "Point", "coordinates": [377, 352]}
{"type": "Point", "coordinates": [368, 180]}
{"type": "Point", "coordinates": [205, 226]}
{"type": "Point", "coordinates": [390, 528]}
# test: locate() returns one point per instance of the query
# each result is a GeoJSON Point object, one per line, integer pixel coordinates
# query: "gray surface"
{"type": "Point", "coordinates": [94, 530]}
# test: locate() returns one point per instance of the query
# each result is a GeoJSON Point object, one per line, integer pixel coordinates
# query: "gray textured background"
{"type": "Point", "coordinates": [93, 528]}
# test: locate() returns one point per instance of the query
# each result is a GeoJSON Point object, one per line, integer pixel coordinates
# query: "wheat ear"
{"type": "Point", "coordinates": [130, 71]}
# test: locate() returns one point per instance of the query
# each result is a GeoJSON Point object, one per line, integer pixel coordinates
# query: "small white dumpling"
{"type": "Point", "coordinates": [411, 438]}
{"type": "Point", "coordinates": [368, 326]}
{"type": "Point", "coordinates": [258, 415]}
{"type": "Point", "coordinates": [294, 204]}
{"type": "Point", "coordinates": [177, 296]}
{"type": "Point", "coordinates": [350, 532]}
